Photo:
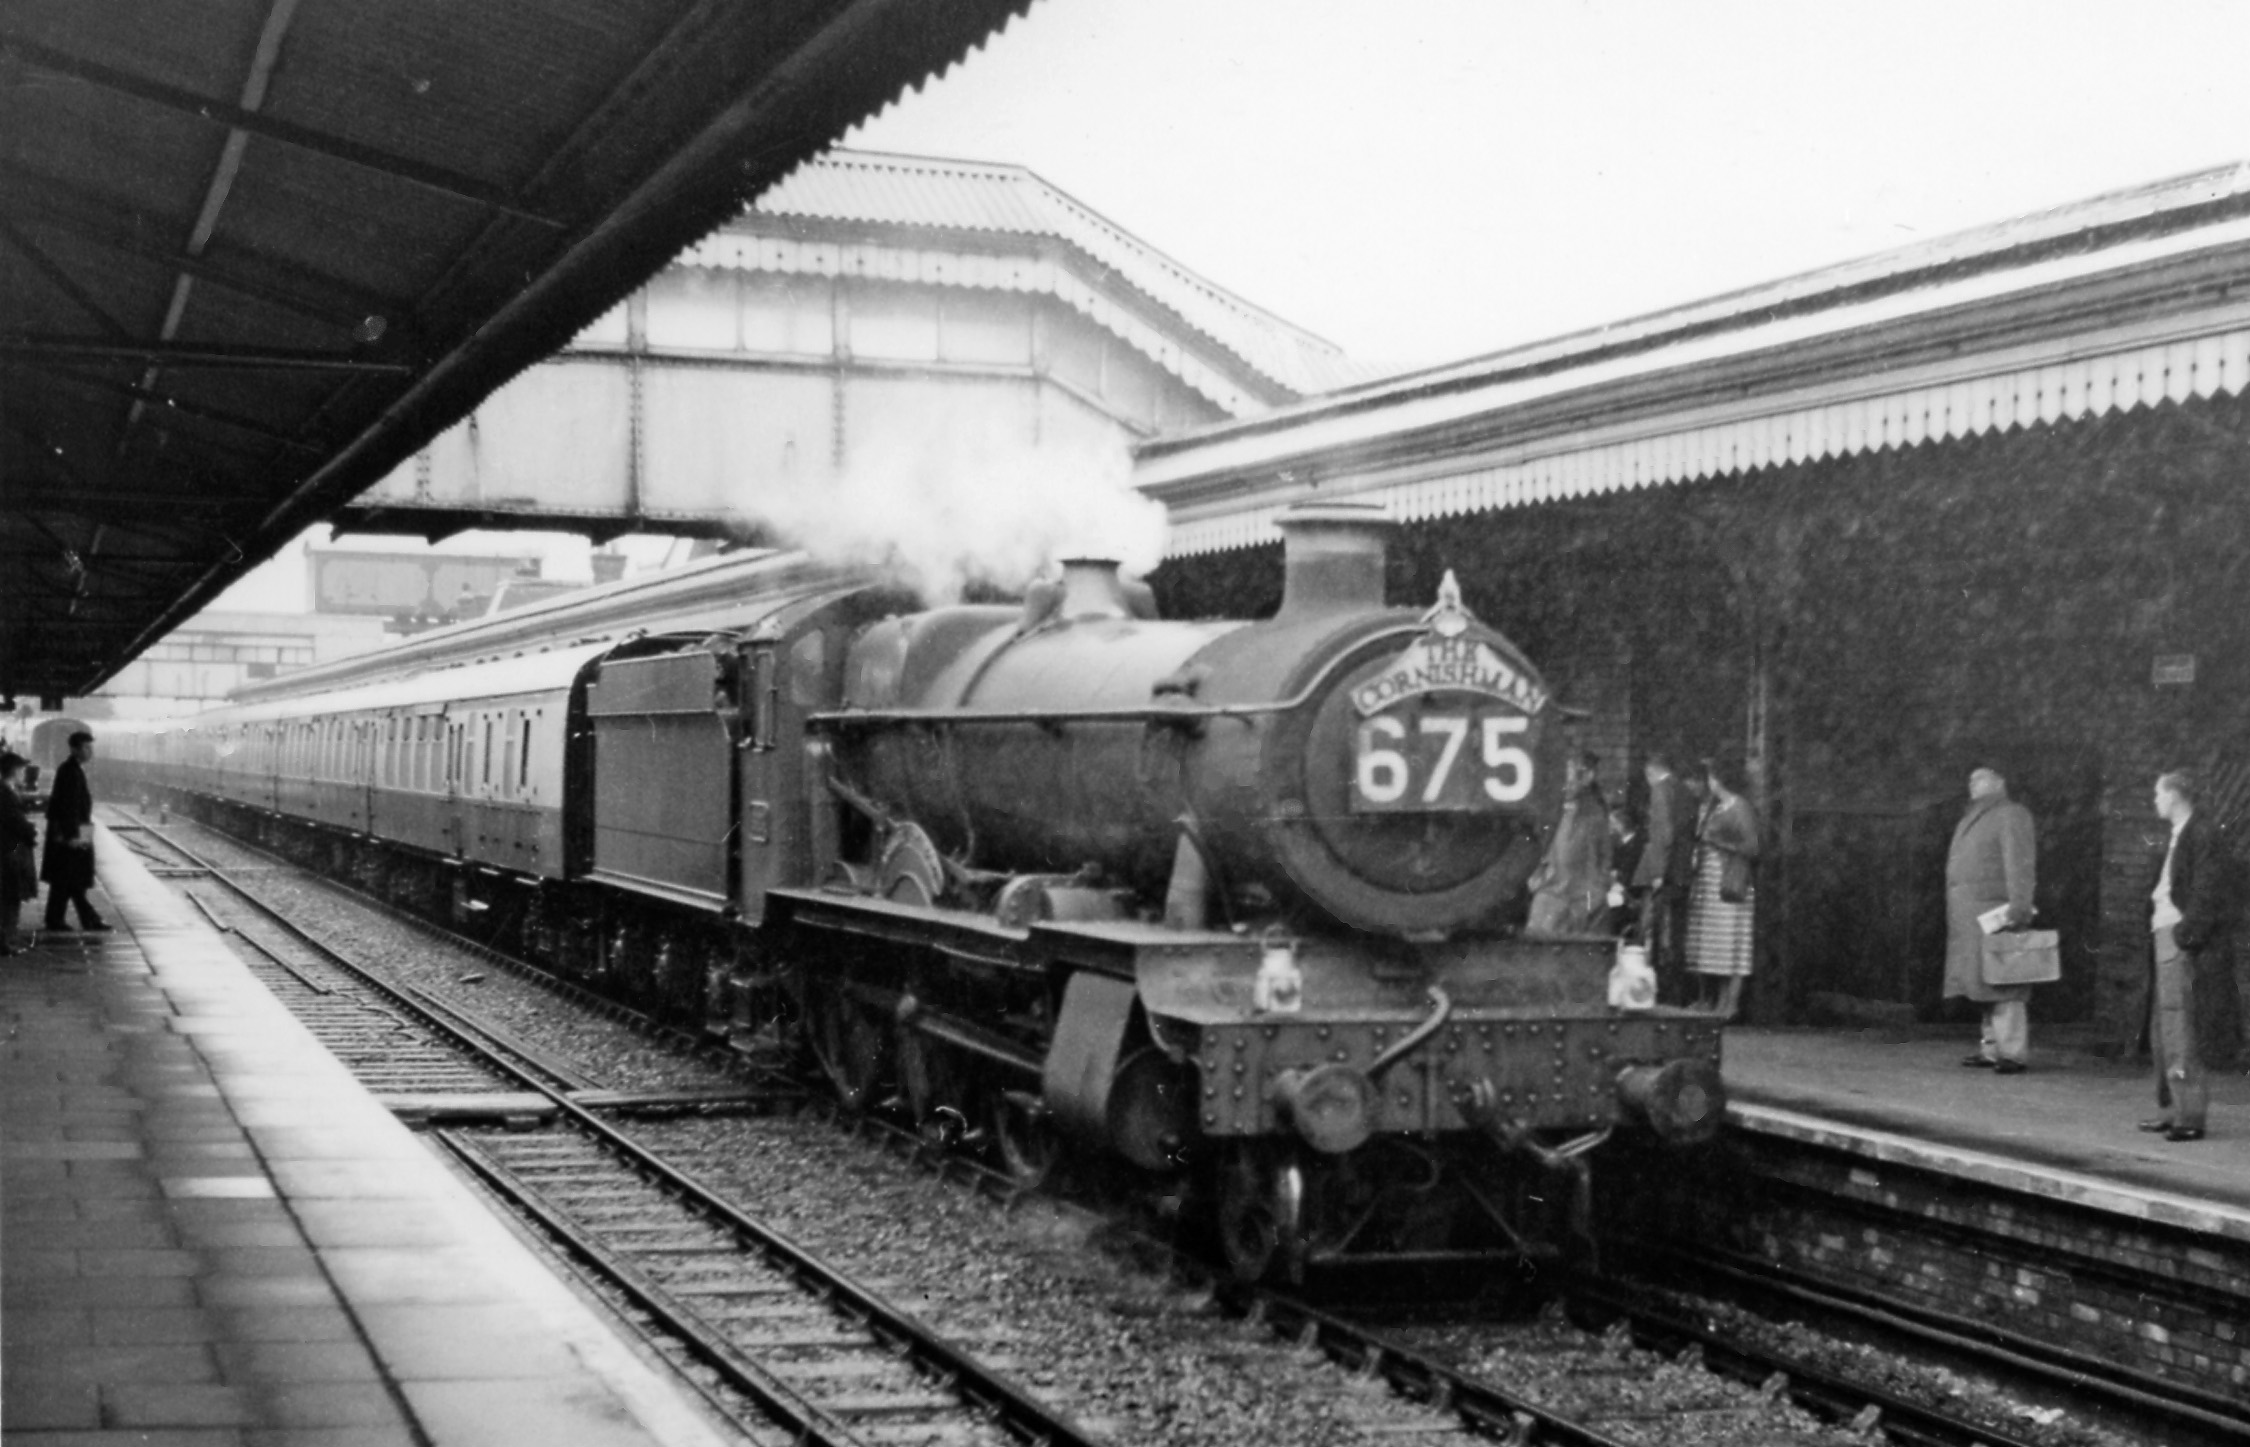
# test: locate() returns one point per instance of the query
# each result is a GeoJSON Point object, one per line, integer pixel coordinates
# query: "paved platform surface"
{"type": "Point", "coordinates": [210, 1235]}
{"type": "Point", "coordinates": [2065, 1127]}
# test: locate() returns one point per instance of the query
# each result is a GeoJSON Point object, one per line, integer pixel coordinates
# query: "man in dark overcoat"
{"type": "Point", "coordinates": [1992, 865]}
{"type": "Point", "coordinates": [68, 864]}
{"type": "Point", "coordinates": [1666, 869]}
{"type": "Point", "coordinates": [17, 839]}
{"type": "Point", "coordinates": [2192, 913]}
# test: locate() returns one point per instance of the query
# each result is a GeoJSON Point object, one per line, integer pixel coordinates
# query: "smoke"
{"type": "Point", "coordinates": [963, 501]}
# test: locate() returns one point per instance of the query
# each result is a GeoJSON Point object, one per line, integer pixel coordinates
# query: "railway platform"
{"type": "Point", "coordinates": [2065, 1129]}
{"type": "Point", "coordinates": [212, 1235]}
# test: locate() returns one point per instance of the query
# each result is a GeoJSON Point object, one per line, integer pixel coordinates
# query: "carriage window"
{"type": "Point", "coordinates": [508, 754]}
{"type": "Point", "coordinates": [485, 723]}
{"type": "Point", "coordinates": [523, 757]}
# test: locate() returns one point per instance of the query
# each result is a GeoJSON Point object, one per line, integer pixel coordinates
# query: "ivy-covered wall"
{"type": "Point", "coordinates": [1895, 620]}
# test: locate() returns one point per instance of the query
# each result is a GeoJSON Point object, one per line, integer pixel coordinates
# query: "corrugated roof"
{"type": "Point", "coordinates": [2126, 301]}
{"type": "Point", "coordinates": [1914, 277]}
{"type": "Point", "coordinates": [895, 190]}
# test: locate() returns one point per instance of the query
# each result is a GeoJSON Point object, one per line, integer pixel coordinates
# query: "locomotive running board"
{"type": "Point", "coordinates": [954, 931]}
{"type": "Point", "coordinates": [1110, 947]}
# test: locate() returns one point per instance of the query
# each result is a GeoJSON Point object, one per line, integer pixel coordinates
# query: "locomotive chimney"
{"type": "Point", "coordinates": [1091, 589]}
{"type": "Point", "coordinates": [1332, 557]}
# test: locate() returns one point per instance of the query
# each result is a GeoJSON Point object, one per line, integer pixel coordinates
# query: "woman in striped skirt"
{"type": "Point", "coordinates": [1723, 899]}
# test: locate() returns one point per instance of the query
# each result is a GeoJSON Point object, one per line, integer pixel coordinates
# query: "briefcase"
{"type": "Point", "coordinates": [2023, 957]}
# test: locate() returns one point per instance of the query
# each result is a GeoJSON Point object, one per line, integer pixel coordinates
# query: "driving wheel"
{"type": "Point", "coordinates": [854, 1047]}
{"type": "Point", "coordinates": [1261, 1216]}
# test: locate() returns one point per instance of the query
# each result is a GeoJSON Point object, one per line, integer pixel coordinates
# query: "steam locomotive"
{"type": "Point", "coordinates": [1215, 903]}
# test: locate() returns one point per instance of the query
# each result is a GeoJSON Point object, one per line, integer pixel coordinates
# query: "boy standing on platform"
{"type": "Point", "coordinates": [2191, 926]}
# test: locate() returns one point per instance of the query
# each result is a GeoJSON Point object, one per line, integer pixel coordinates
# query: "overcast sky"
{"type": "Point", "coordinates": [1424, 180]}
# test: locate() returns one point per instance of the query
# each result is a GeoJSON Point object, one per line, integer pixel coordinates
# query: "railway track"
{"type": "Point", "coordinates": [1648, 1375]}
{"type": "Point", "coordinates": [819, 1358]}
{"type": "Point", "coordinates": [1602, 1365]}
{"type": "Point", "coordinates": [425, 1057]}
{"type": "Point", "coordinates": [2160, 1410]}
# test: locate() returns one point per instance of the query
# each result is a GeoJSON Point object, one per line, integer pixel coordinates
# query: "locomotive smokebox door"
{"type": "Point", "coordinates": [1422, 777]}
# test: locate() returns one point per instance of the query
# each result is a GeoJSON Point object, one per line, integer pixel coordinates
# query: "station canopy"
{"type": "Point", "coordinates": [255, 253]}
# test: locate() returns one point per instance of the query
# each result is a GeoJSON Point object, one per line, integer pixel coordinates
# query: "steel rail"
{"type": "Point", "coordinates": [494, 1046]}
{"type": "Point", "coordinates": [577, 994]}
{"type": "Point", "coordinates": [1481, 1405]}
{"type": "Point", "coordinates": [1011, 1407]}
{"type": "Point", "coordinates": [647, 1026]}
{"type": "Point", "coordinates": [2183, 1408]}
{"type": "Point", "coordinates": [1489, 1407]}
{"type": "Point", "coordinates": [811, 1423]}
{"type": "Point", "coordinates": [1823, 1393]}
{"type": "Point", "coordinates": [1023, 1415]}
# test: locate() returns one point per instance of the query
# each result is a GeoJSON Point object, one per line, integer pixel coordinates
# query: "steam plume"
{"type": "Point", "coordinates": [964, 501]}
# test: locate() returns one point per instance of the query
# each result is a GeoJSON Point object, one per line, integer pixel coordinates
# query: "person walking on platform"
{"type": "Point", "coordinates": [1667, 859]}
{"type": "Point", "coordinates": [68, 865]}
{"type": "Point", "coordinates": [2192, 914]}
{"type": "Point", "coordinates": [1722, 903]}
{"type": "Point", "coordinates": [1991, 866]}
{"type": "Point", "coordinates": [1570, 889]}
{"type": "Point", "coordinates": [19, 876]}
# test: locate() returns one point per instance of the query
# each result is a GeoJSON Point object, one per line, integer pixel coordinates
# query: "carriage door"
{"type": "Point", "coordinates": [761, 788]}
{"type": "Point", "coordinates": [456, 790]}
{"type": "Point", "coordinates": [367, 736]}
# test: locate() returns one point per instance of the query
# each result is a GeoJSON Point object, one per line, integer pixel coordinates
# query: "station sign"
{"type": "Point", "coordinates": [2172, 670]}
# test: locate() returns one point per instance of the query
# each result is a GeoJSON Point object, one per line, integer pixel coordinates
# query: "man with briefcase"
{"type": "Point", "coordinates": [1990, 873]}
{"type": "Point", "coordinates": [2192, 913]}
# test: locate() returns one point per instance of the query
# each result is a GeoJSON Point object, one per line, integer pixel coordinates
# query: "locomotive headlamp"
{"type": "Point", "coordinates": [1280, 986]}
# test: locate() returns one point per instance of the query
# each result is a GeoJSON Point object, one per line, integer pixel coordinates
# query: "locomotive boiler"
{"type": "Point", "coordinates": [1258, 873]}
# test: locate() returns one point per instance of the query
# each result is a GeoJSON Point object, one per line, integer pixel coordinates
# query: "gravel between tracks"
{"type": "Point", "coordinates": [1054, 1289]}
{"type": "Point", "coordinates": [1080, 1323]}
{"type": "Point", "coordinates": [1109, 1340]}
{"type": "Point", "coordinates": [614, 1054]}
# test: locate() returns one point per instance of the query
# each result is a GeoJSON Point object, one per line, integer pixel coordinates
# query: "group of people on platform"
{"type": "Point", "coordinates": [1684, 885]}
{"type": "Point", "coordinates": [1683, 882]}
{"type": "Point", "coordinates": [67, 866]}
{"type": "Point", "coordinates": [2194, 1011]}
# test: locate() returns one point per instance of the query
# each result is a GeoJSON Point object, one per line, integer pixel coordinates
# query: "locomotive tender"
{"type": "Point", "coordinates": [1218, 902]}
